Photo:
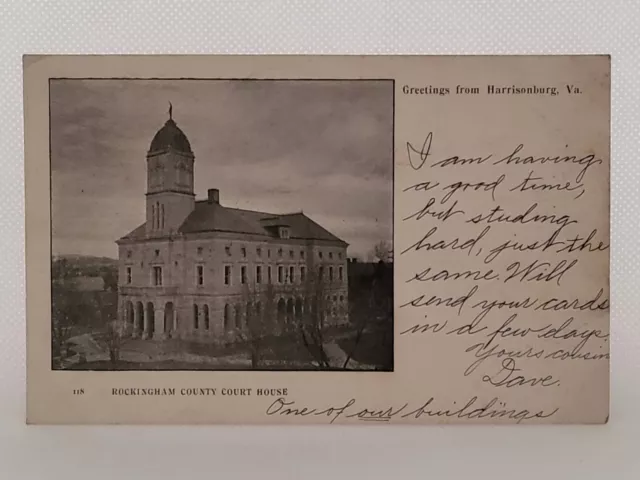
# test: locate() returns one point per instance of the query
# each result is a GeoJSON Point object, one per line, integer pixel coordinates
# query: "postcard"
{"type": "Point", "coordinates": [317, 239]}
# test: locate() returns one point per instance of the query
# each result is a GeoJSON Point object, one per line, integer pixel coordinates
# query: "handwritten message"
{"type": "Point", "coordinates": [499, 243]}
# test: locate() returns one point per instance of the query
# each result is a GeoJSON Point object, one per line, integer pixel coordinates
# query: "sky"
{"type": "Point", "coordinates": [323, 147]}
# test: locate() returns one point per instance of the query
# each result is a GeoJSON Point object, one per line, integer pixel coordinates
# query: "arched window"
{"type": "Point", "coordinates": [249, 314]}
{"type": "Point", "coordinates": [179, 174]}
{"type": "Point", "coordinates": [195, 316]}
{"type": "Point", "coordinates": [206, 317]}
{"type": "Point", "coordinates": [227, 317]}
{"type": "Point", "coordinates": [238, 316]}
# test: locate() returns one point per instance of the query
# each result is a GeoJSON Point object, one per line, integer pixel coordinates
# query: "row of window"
{"type": "Point", "coordinates": [292, 254]}
{"type": "Point", "coordinates": [286, 275]}
{"type": "Point", "coordinates": [234, 315]}
{"type": "Point", "coordinates": [158, 223]}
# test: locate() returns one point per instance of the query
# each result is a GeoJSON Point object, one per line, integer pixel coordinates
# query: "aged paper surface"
{"type": "Point", "coordinates": [320, 240]}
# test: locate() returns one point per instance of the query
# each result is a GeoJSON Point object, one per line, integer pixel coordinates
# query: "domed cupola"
{"type": "Point", "coordinates": [170, 137]}
{"type": "Point", "coordinates": [170, 163]}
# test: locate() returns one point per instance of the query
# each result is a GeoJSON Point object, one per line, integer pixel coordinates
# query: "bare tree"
{"type": "Point", "coordinates": [66, 311]}
{"type": "Point", "coordinates": [117, 333]}
{"type": "Point", "coordinates": [259, 317]}
{"type": "Point", "coordinates": [311, 322]}
{"type": "Point", "coordinates": [64, 318]}
{"type": "Point", "coordinates": [383, 251]}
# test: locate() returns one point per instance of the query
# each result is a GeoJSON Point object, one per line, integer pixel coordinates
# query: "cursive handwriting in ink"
{"type": "Point", "coordinates": [467, 245]}
{"type": "Point", "coordinates": [501, 294]}
{"type": "Point", "coordinates": [428, 210]}
{"type": "Point", "coordinates": [422, 154]}
{"type": "Point", "coordinates": [280, 406]}
{"type": "Point", "coordinates": [586, 162]}
{"type": "Point", "coordinates": [508, 377]}
{"type": "Point", "coordinates": [531, 183]}
{"type": "Point", "coordinates": [471, 409]}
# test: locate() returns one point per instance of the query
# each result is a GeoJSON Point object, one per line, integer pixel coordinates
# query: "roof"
{"type": "Point", "coordinates": [170, 136]}
{"type": "Point", "coordinates": [213, 217]}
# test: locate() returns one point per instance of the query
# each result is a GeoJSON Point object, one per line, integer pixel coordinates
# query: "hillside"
{"type": "Point", "coordinates": [75, 266]}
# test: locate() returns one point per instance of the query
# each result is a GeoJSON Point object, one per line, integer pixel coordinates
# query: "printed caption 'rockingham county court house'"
{"type": "Point", "coordinates": [186, 271]}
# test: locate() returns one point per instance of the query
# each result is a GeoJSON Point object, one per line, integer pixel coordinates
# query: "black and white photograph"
{"type": "Point", "coordinates": [221, 224]}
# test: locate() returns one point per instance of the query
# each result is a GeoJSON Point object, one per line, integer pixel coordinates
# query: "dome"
{"type": "Point", "coordinates": [170, 136]}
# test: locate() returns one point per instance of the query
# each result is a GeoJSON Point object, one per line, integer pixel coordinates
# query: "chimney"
{"type": "Point", "coordinates": [213, 195]}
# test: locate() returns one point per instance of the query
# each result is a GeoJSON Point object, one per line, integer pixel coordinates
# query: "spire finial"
{"type": "Point", "coordinates": [170, 111]}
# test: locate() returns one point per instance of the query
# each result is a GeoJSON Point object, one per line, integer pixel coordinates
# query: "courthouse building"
{"type": "Point", "coordinates": [193, 267]}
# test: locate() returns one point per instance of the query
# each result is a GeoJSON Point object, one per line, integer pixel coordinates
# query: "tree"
{"type": "Point", "coordinates": [64, 317]}
{"type": "Point", "coordinates": [109, 275]}
{"type": "Point", "coordinates": [315, 334]}
{"type": "Point", "coordinates": [383, 251]}
{"type": "Point", "coordinates": [66, 307]}
{"type": "Point", "coordinates": [259, 316]}
{"type": "Point", "coordinates": [371, 313]}
{"type": "Point", "coordinates": [117, 333]}
{"type": "Point", "coordinates": [311, 321]}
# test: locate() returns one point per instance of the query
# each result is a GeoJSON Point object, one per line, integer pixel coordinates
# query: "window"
{"type": "Point", "coordinates": [331, 274]}
{"type": "Point", "coordinates": [269, 274]}
{"type": "Point", "coordinates": [227, 250]}
{"type": "Point", "coordinates": [292, 275]}
{"type": "Point", "coordinates": [244, 251]}
{"type": "Point", "coordinates": [320, 254]}
{"type": "Point", "coordinates": [200, 275]}
{"type": "Point", "coordinates": [258, 274]}
{"type": "Point", "coordinates": [290, 253]}
{"type": "Point", "coordinates": [206, 317]}
{"type": "Point", "coordinates": [129, 275]}
{"type": "Point", "coordinates": [280, 275]}
{"type": "Point", "coordinates": [301, 253]}
{"type": "Point", "coordinates": [157, 276]}
{"type": "Point", "coordinates": [157, 253]}
{"type": "Point", "coordinates": [227, 317]}
{"type": "Point", "coordinates": [269, 253]}
{"type": "Point", "coordinates": [320, 273]}
{"type": "Point", "coordinates": [340, 255]}
{"type": "Point", "coordinates": [238, 316]}
{"type": "Point", "coordinates": [341, 298]}
{"type": "Point", "coordinates": [259, 251]}
{"type": "Point", "coordinates": [243, 274]}
{"type": "Point", "coordinates": [280, 252]}
{"type": "Point", "coordinates": [162, 216]}
{"type": "Point", "coordinates": [199, 250]}
{"type": "Point", "coordinates": [128, 253]}
{"type": "Point", "coordinates": [227, 275]}
{"type": "Point", "coordinates": [195, 316]}
{"type": "Point", "coordinates": [330, 255]}
{"type": "Point", "coordinates": [303, 272]}
{"type": "Point", "coordinates": [340, 274]}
